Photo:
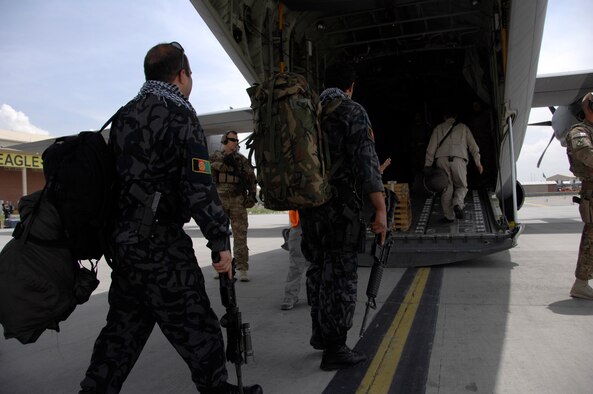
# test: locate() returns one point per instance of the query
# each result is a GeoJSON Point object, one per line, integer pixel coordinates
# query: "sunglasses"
{"type": "Point", "coordinates": [233, 139]}
{"type": "Point", "coordinates": [178, 46]}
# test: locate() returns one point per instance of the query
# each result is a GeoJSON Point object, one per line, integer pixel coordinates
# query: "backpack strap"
{"type": "Point", "coordinates": [104, 244]}
{"type": "Point", "coordinates": [443, 140]}
{"type": "Point", "coordinates": [326, 111]}
{"type": "Point", "coordinates": [110, 119]}
{"type": "Point", "coordinates": [330, 107]}
{"type": "Point", "coordinates": [446, 135]}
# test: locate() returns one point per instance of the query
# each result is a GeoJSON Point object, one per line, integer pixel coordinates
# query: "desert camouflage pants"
{"type": "Point", "coordinates": [584, 270]}
{"type": "Point", "coordinates": [332, 277]}
{"type": "Point", "coordinates": [236, 211]}
{"type": "Point", "coordinates": [170, 294]}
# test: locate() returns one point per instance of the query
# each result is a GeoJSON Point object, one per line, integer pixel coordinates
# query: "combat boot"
{"type": "Point", "coordinates": [581, 289]}
{"type": "Point", "coordinates": [317, 342]}
{"type": "Point", "coordinates": [340, 358]}
{"type": "Point", "coordinates": [288, 303]}
{"type": "Point", "coordinates": [243, 276]}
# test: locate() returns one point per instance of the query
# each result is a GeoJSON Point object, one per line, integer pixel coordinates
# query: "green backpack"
{"type": "Point", "coordinates": [291, 151]}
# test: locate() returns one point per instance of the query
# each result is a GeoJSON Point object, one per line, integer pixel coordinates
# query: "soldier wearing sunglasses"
{"type": "Point", "coordinates": [236, 185]}
{"type": "Point", "coordinates": [163, 180]}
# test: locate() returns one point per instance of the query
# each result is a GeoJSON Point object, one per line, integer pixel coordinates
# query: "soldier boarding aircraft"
{"type": "Point", "coordinates": [412, 57]}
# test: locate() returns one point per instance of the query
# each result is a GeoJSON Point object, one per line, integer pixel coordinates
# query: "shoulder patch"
{"type": "Point", "coordinates": [200, 169]}
{"type": "Point", "coordinates": [201, 166]}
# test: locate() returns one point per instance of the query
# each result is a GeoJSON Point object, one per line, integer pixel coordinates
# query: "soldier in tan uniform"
{"type": "Point", "coordinates": [236, 185]}
{"type": "Point", "coordinates": [450, 151]}
{"type": "Point", "coordinates": [579, 146]}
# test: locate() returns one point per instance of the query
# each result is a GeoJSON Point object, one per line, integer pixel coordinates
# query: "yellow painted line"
{"type": "Point", "coordinates": [380, 374]}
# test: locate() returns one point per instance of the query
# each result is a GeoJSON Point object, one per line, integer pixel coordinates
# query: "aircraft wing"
{"type": "Point", "coordinates": [562, 88]}
{"type": "Point", "coordinates": [216, 123]}
{"type": "Point", "coordinates": [562, 93]}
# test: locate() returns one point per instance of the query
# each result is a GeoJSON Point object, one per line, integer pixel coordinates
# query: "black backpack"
{"type": "Point", "coordinates": [40, 280]}
{"type": "Point", "coordinates": [80, 176]}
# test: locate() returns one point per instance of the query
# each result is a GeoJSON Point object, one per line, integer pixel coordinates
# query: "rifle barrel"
{"type": "Point", "coordinates": [364, 319]}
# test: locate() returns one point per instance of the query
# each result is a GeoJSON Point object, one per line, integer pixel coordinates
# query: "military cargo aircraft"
{"type": "Point", "coordinates": [413, 57]}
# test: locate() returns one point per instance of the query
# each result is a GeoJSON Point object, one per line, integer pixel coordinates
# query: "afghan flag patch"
{"type": "Point", "coordinates": [201, 166]}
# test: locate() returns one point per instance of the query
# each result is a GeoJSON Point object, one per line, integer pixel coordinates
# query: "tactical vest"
{"type": "Point", "coordinates": [580, 136]}
{"type": "Point", "coordinates": [226, 178]}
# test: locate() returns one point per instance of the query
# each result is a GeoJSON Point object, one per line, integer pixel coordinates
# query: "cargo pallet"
{"type": "Point", "coordinates": [402, 217]}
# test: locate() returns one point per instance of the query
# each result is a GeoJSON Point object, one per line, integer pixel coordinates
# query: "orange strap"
{"type": "Point", "coordinates": [294, 218]}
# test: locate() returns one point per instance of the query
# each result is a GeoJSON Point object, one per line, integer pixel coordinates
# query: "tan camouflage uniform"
{"type": "Point", "coordinates": [579, 141]}
{"type": "Point", "coordinates": [233, 193]}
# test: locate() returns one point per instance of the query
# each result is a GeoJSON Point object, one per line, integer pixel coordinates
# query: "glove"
{"type": "Point", "coordinates": [249, 201]}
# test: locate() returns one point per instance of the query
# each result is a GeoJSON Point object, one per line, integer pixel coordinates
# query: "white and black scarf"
{"type": "Point", "coordinates": [165, 90]}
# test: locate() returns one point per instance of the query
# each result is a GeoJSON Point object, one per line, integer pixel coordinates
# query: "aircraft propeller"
{"type": "Point", "coordinates": [563, 117]}
{"type": "Point", "coordinates": [546, 123]}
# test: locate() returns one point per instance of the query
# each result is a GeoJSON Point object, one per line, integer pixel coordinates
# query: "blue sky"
{"type": "Point", "coordinates": [67, 65]}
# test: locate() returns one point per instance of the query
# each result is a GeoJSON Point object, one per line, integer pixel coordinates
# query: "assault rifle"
{"type": "Point", "coordinates": [238, 349]}
{"type": "Point", "coordinates": [380, 255]}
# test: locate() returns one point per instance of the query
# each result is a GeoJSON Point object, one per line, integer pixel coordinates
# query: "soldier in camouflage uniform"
{"type": "Point", "coordinates": [332, 232]}
{"type": "Point", "coordinates": [579, 146]}
{"type": "Point", "coordinates": [163, 180]}
{"type": "Point", "coordinates": [236, 184]}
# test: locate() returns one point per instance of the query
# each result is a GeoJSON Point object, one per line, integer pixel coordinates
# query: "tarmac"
{"type": "Point", "coordinates": [502, 323]}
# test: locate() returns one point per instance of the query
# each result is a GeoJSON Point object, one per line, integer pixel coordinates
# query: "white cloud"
{"type": "Point", "coordinates": [11, 119]}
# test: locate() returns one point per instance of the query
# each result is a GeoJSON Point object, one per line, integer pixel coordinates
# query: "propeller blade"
{"type": "Point", "coordinates": [544, 152]}
{"type": "Point", "coordinates": [552, 109]}
{"type": "Point", "coordinates": [546, 123]}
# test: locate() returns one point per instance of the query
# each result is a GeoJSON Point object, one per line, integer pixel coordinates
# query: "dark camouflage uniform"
{"type": "Point", "coordinates": [160, 146]}
{"type": "Point", "coordinates": [579, 146]}
{"type": "Point", "coordinates": [233, 193]}
{"type": "Point", "coordinates": [332, 231]}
